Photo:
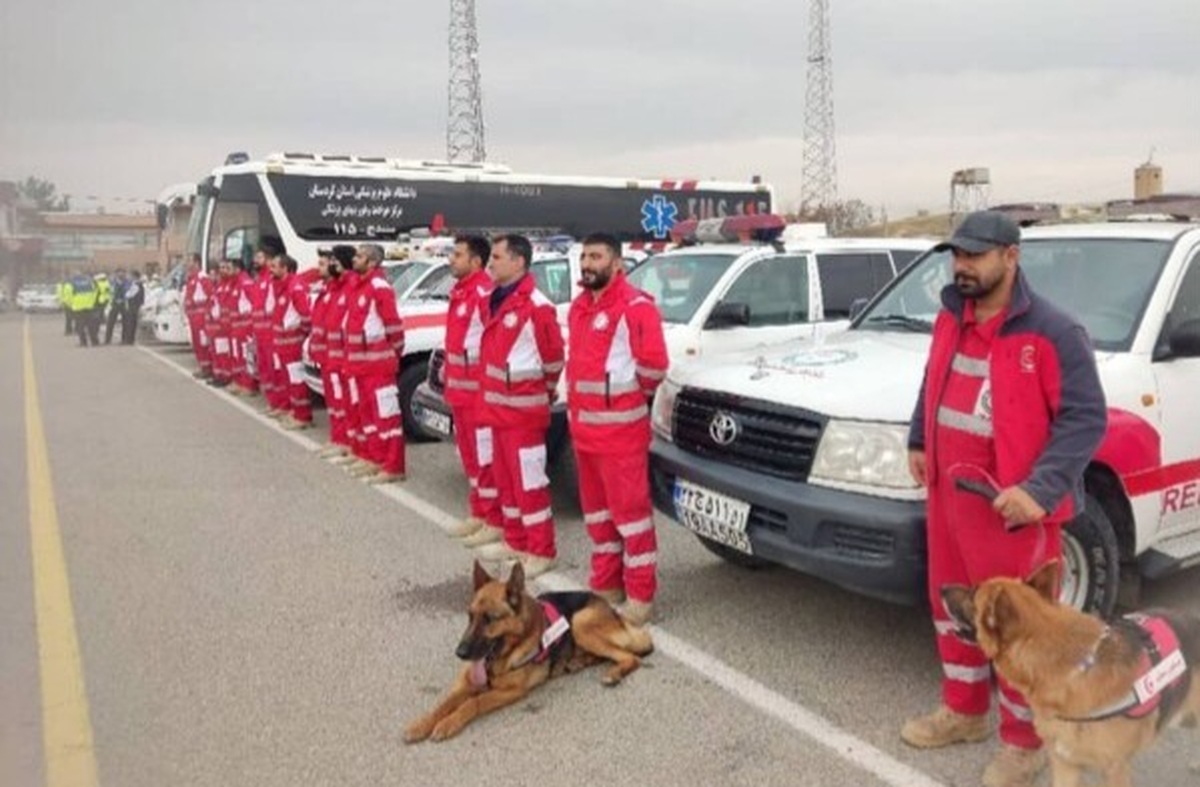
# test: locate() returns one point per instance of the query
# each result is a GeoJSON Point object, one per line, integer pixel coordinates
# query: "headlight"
{"type": "Point", "coordinates": [662, 415]}
{"type": "Point", "coordinates": [863, 453]}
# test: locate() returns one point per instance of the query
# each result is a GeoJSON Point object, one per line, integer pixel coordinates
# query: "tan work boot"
{"type": "Point", "coordinates": [484, 535]}
{"type": "Point", "coordinates": [613, 597]}
{"type": "Point", "coordinates": [1014, 767]}
{"type": "Point", "coordinates": [293, 424]}
{"type": "Point", "coordinates": [385, 478]}
{"type": "Point", "coordinates": [362, 468]}
{"type": "Point", "coordinates": [639, 613]}
{"type": "Point", "coordinates": [944, 727]}
{"type": "Point", "coordinates": [466, 527]}
{"type": "Point", "coordinates": [331, 450]}
{"type": "Point", "coordinates": [496, 552]}
{"type": "Point", "coordinates": [535, 565]}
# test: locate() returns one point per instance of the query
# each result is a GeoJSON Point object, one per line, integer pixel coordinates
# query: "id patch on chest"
{"type": "Point", "coordinates": [983, 402]}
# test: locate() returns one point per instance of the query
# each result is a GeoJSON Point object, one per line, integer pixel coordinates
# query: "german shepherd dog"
{"type": "Point", "coordinates": [512, 647]}
{"type": "Point", "coordinates": [1095, 689]}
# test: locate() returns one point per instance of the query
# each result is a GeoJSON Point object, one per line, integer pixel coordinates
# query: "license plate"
{"type": "Point", "coordinates": [438, 422]}
{"type": "Point", "coordinates": [712, 515]}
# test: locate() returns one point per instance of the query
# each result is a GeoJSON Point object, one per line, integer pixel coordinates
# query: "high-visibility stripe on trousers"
{"type": "Point", "coordinates": [201, 344]}
{"type": "Point", "coordinates": [238, 342]}
{"type": "Point", "coordinates": [335, 392]}
{"type": "Point", "coordinates": [290, 379]}
{"type": "Point", "coordinates": [968, 544]}
{"type": "Point", "coordinates": [264, 361]}
{"type": "Point", "coordinates": [381, 432]}
{"type": "Point", "coordinates": [519, 469]}
{"type": "Point", "coordinates": [614, 492]}
{"type": "Point", "coordinates": [222, 354]}
{"type": "Point", "coordinates": [483, 500]}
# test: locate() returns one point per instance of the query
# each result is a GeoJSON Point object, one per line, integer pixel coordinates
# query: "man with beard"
{"type": "Point", "coordinates": [262, 312]}
{"type": "Point", "coordinates": [343, 417]}
{"type": "Point", "coordinates": [197, 297]}
{"type": "Point", "coordinates": [1012, 401]}
{"type": "Point", "coordinates": [616, 359]}
{"type": "Point", "coordinates": [291, 322]}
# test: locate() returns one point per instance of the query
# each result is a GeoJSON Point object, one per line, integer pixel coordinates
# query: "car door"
{"type": "Point", "coordinates": [775, 289]}
{"type": "Point", "coordinates": [1178, 380]}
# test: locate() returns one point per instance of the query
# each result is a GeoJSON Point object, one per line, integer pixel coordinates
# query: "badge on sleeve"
{"type": "Point", "coordinates": [601, 321]}
{"type": "Point", "coordinates": [510, 320]}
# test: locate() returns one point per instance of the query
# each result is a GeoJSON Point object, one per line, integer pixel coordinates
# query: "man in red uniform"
{"type": "Point", "coordinates": [464, 373]}
{"type": "Point", "coordinates": [291, 323]}
{"type": "Point", "coordinates": [1011, 398]}
{"type": "Point", "coordinates": [522, 354]}
{"type": "Point", "coordinates": [616, 360]}
{"type": "Point", "coordinates": [262, 311]}
{"type": "Point", "coordinates": [343, 418]}
{"type": "Point", "coordinates": [374, 346]}
{"type": "Point", "coordinates": [220, 327]}
{"type": "Point", "coordinates": [318, 343]}
{"type": "Point", "coordinates": [197, 296]}
{"type": "Point", "coordinates": [241, 298]}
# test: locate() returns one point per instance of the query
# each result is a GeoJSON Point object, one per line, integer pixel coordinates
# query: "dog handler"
{"type": "Point", "coordinates": [616, 360]}
{"type": "Point", "coordinates": [1011, 393]}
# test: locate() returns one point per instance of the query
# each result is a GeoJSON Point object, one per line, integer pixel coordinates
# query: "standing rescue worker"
{"type": "Point", "coordinates": [318, 341]}
{"type": "Point", "coordinates": [343, 418]}
{"type": "Point", "coordinates": [262, 310]}
{"type": "Point", "coordinates": [522, 354]}
{"type": "Point", "coordinates": [197, 296]}
{"type": "Point", "coordinates": [291, 323]}
{"type": "Point", "coordinates": [1011, 397]}
{"type": "Point", "coordinates": [374, 347]}
{"type": "Point", "coordinates": [220, 326]}
{"type": "Point", "coordinates": [616, 360]}
{"type": "Point", "coordinates": [463, 376]}
{"type": "Point", "coordinates": [241, 328]}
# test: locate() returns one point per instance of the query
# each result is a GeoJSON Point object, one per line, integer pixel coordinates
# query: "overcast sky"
{"type": "Point", "coordinates": [1061, 99]}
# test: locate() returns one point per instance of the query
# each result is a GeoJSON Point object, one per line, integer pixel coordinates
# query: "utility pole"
{"type": "Point", "coordinates": [464, 128]}
{"type": "Point", "coordinates": [818, 189]}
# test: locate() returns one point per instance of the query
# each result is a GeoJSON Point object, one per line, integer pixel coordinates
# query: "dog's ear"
{"type": "Point", "coordinates": [516, 585]}
{"type": "Point", "coordinates": [1047, 580]}
{"type": "Point", "coordinates": [999, 612]}
{"type": "Point", "coordinates": [959, 603]}
{"type": "Point", "coordinates": [482, 577]}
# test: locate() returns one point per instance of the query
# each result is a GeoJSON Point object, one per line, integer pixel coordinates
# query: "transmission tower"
{"type": "Point", "coordinates": [464, 128]}
{"type": "Point", "coordinates": [818, 189]}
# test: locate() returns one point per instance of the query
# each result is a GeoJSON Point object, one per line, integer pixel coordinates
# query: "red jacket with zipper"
{"type": "Point", "coordinates": [464, 335]}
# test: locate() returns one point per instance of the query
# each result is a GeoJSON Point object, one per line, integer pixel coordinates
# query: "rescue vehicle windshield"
{"type": "Point", "coordinates": [1104, 282]}
{"type": "Point", "coordinates": [406, 274]}
{"type": "Point", "coordinates": [679, 283]}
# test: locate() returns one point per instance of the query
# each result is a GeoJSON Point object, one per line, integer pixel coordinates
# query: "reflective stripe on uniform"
{"type": "Point", "coordinates": [513, 375]}
{"type": "Point", "coordinates": [536, 518]}
{"type": "Point", "coordinates": [964, 422]}
{"type": "Point", "coordinates": [606, 387]}
{"type": "Point", "coordinates": [488, 493]}
{"type": "Point", "coordinates": [596, 517]}
{"type": "Point", "coordinates": [637, 561]}
{"type": "Point", "coordinates": [455, 358]}
{"type": "Point", "coordinates": [391, 433]}
{"type": "Point", "coordinates": [652, 374]}
{"type": "Point", "coordinates": [971, 367]}
{"type": "Point", "coordinates": [1018, 711]}
{"type": "Point", "coordinates": [532, 400]}
{"type": "Point", "coordinates": [945, 626]}
{"type": "Point", "coordinates": [608, 548]}
{"type": "Point", "coordinates": [613, 416]}
{"type": "Point", "coordinates": [374, 355]}
{"type": "Point", "coordinates": [510, 513]}
{"type": "Point", "coordinates": [552, 368]}
{"type": "Point", "coordinates": [631, 529]}
{"type": "Point", "coordinates": [463, 385]}
{"type": "Point", "coordinates": [967, 674]}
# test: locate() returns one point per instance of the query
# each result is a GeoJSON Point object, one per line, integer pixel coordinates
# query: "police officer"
{"type": "Point", "coordinates": [135, 296]}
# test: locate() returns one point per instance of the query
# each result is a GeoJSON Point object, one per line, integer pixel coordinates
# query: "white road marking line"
{"type": "Point", "coordinates": [839, 742]}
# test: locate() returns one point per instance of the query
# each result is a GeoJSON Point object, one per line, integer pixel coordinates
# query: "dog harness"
{"type": "Point", "coordinates": [1161, 673]}
{"type": "Point", "coordinates": [557, 625]}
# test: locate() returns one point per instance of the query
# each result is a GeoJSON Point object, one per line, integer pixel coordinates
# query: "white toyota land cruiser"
{"type": "Point", "coordinates": [798, 455]}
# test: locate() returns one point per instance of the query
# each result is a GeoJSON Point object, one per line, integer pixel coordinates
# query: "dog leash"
{"type": "Point", "coordinates": [989, 489]}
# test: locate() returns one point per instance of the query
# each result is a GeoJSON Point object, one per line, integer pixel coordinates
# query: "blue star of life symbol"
{"type": "Point", "coordinates": [658, 216]}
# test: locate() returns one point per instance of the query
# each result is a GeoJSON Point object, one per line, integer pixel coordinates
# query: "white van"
{"type": "Point", "coordinates": [798, 455]}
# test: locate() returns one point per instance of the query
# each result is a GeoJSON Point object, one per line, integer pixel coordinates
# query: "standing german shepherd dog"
{"type": "Point", "coordinates": [514, 643]}
{"type": "Point", "coordinates": [1099, 692]}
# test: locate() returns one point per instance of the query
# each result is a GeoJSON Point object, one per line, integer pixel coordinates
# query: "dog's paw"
{"type": "Point", "coordinates": [611, 677]}
{"type": "Point", "coordinates": [445, 729]}
{"type": "Point", "coordinates": [417, 731]}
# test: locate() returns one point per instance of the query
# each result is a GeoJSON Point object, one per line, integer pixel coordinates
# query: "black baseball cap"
{"type": "Point", "coordinates": [982, 231]}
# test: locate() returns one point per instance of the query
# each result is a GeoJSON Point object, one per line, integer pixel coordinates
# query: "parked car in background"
{"type": "Point", "coordinates": [38, 298]}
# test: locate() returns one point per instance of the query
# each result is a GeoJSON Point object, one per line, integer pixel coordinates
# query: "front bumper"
{"type": "Point", "coordinates": [869, 545]}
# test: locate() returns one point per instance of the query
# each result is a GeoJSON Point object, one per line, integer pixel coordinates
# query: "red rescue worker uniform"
{"type": "Point", "coordinates": [262, 312]}
{"type": "Point", "coordinates": [616, 361]}
{"type": "Point", "coordinates": [197, 297]}
{"type": "Point", "coordinates": [522, 354]}
{"type": "Point", "coordinates": [992, 392]}
{"type": "Point", "coordinates": [221, 329]}
{"type": "Point", "coordinates": [343, 419]}
{"type": "Point", "coordinates": [464, 374]}
{"type": "Point", "coordinates": [374, 346]}
{"type": "Point", "coordinates": [291, 323]}
{"type": "Point", "coordinates": [242, 330]}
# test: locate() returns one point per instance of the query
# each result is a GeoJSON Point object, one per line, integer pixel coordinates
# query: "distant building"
{"type": "Point", "coordinates": [98, 242]}
{"type": "Point", "coordinates": [1147, 181]}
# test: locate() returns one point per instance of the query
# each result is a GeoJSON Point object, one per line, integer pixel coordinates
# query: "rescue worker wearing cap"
{"type": "Point", "coordinates": [374, 347]}
{"type": "Point", "coordinates": [291, 323]}
{"type": "Point", "coordinates": [262, 311]}
{"type": "Point", "coordinates": [240, 300]}
{"type": "Point", "coordinates": [197, 294]}
{"type": "Point", "coordinates": [220, 325]}
{"type": "Point", "coordinates": [83, 308]}
{"type": "Point", "coordinates": [522, 355]}
{"type": "Point", "coordinates": [615, 362]}
{"type": "Point", "coordinates": [343, 418]}
{"type": "Point", "coordinates": [1011, 399]}
{"type": "Point", "coordinates": [463, 378]}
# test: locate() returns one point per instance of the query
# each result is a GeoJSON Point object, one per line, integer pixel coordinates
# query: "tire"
{"type": "Point", "coordinates": [406, 384]}
{"type": "Point", "coordinates": [731, 555]}
{"type": "Point", "coordinates": [1091, 561]}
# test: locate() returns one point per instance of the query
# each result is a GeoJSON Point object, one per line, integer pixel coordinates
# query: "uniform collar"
{"type": "Point", "coordinates": [615, 291]}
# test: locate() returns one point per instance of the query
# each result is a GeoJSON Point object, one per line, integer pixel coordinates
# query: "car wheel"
{"type": "Point", "coordinates": [1091, 561]}
{"type": "Point", "coordinates": [407, 383]}
{"type": "Point", "coordinates": [731, 555]}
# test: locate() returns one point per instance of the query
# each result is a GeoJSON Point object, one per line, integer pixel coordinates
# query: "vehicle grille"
{"type": "Point", "coordinates": [434, 378]}
{"type": "Point", "coordinates": [774, 439]}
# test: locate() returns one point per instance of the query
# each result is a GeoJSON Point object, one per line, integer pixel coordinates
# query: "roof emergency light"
{"type": "Point", "coordinates": [760, 228]}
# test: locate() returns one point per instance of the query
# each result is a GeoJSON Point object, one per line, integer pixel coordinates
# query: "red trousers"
{"type": "Point", "coordinates": [614, 492]}
{"type": "Point", "coordinates": [483, 500]}
{"type": "Point", "coordinates": [967, 545]}
{"type": "Point", "coordinates": [241, 373]}
{"type": "Point", "coordinates": [268, 374]}
{"type": "Point", "coordinates": [201, 345]}
{"type": "Point", "coordinates": [222, 353]}
{"type": "Point", "coordinates": [380, 424]}
{"type": "Point", "coordinates": [289, 370]}
{"type": "Point", "coordinates": [519, 470]}
{"type": "Point", "coordinates": [336, 398]}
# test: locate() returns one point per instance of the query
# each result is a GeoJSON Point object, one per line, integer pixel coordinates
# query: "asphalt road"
{"type": "Point", "coordinates": [247, 614]}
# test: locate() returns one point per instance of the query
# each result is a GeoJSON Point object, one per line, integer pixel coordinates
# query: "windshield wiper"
{"type": "Point", "coordinates": [915, 324]}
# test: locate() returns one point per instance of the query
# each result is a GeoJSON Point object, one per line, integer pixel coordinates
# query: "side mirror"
{"type": "Point", "coordinates": [1184, 339]}
{"type": "Point", "coordinates": [857, 305]}
{"type": "Point", "coordinates": [728, 315]}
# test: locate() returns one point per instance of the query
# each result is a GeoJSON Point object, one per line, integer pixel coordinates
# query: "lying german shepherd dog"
{"type": "Point", "coordinates": [1099, 692]}
{"type": "Point", "coordinates": [514, 643]}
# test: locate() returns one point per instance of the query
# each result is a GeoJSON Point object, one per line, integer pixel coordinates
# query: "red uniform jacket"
{"type": "Point", "coordinates": [197, 293]}
{"type": "Point", "coordinates": [340, 289]}
{"type": "Point", "coordinates": [318, 342]}
{"type": "Point", "coordinates": [522, 355]}
{"type": "Point", "coordinates": [291, 320]}
{"type": "Point", "coordinates": [374, 331]}
{"type": "Point", "coordinates": [464, 334]}
{"type": "Point", "coordinates": [617, 360]}
{"type": "Point", "coordinates": [243, 314]}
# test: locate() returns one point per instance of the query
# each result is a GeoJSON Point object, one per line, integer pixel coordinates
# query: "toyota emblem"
{"type": "Point", "coordinates": [723, 428]}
